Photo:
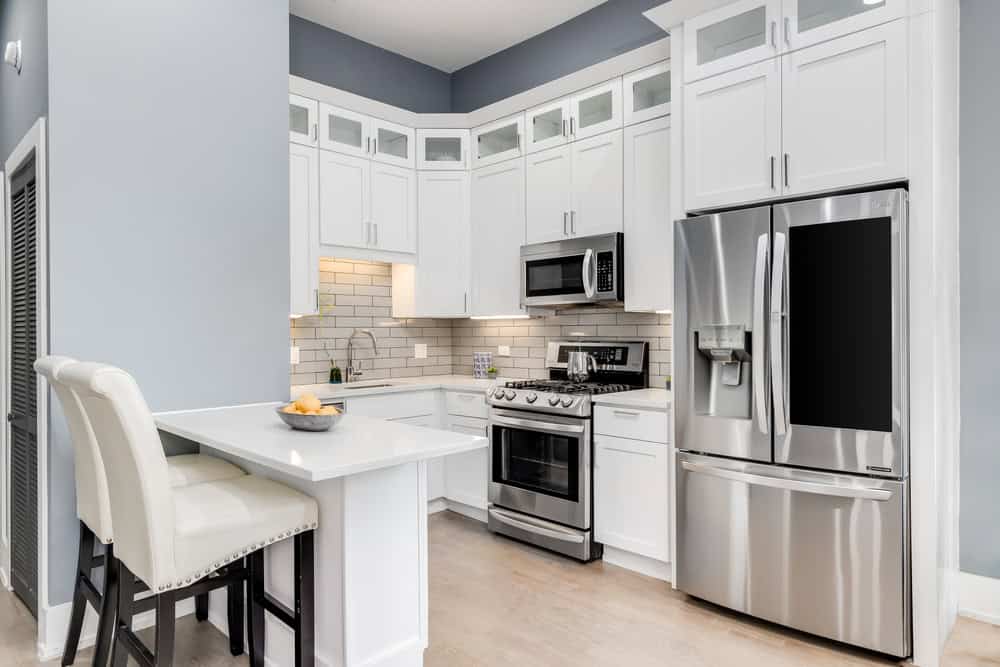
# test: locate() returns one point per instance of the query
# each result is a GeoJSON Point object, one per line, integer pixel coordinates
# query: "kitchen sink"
{"type": "Point", "coordinates": [367, 386]}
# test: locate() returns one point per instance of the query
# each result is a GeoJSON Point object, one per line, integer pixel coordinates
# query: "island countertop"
{"type": "Point", "coordinates": [355, 444]}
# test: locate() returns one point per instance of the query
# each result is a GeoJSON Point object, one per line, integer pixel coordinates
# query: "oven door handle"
{"type": "Point", "coordinates": [539, 425]}
{"type": "Point", "coordinates": [532, 527]}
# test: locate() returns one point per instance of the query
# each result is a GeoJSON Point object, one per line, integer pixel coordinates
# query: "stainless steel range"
{"type": "Point", "coordinates": [541, 445]}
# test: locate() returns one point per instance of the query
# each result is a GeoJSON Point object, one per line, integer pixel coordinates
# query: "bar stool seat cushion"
{"type": "Point", "coordinates": [220, 522]}
{"type": "Point", "coordinates": [188, 469]}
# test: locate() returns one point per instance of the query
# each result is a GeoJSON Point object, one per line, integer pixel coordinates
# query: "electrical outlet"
{"type": "Point", "coordinates": [503, 350]}
{"type": "Point", "coordinates": [420, 350]}
{"type": "Point", "coordinates": [295, 354]}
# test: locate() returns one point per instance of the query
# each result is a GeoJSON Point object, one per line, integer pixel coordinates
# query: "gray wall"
{"type": "Point", "coordinates": [26, 97]}
{"type": "Point", "coordinates": [608, 30]}
{"type": "Point", "coordinates": [320, 54]}
{"type": "Point", "coordinates": [168, 208]}
{"type": "Point", "coordinates": [979, 147]}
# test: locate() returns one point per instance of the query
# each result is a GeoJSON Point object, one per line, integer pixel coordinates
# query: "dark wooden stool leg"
{"type": "Point", "coordinates": [108, 621]}
{"type": "Point", "coordinates": [201, 607]}
{"type": "Point", "coordinates": [165, 620]}
{"type": "Point", "coordinates": [84, 559]}
{"type": "Point", "coordinates": [234, 610]}
{"type": "Point", "coordinates": [126, 598]}
{"type": "Point", "coordinates": [255, 607]}
{"type": "Point", "coordinates": [305, 608]}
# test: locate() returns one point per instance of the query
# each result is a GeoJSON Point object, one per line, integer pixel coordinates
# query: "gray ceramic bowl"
{"type": "Point", "coordinates": [308, 422]}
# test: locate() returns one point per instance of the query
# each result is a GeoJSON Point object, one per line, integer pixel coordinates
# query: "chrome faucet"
{"type": "Point", "coordinates": [351, 372]}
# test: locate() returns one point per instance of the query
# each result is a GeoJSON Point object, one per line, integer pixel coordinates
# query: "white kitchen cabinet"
{"type": "Point", "coordinates": [467, 474]}
{"type": "Point", "coordinates": [549, 194]}
{"type": "Point", "coordinates": [547, 126]}
{"type": "Point", "coordinates": [345, 196]}
{"type": "Point", "coordinates": [646, 93]}
{"type": "Point", "coordinates": [303, 228]}
{"type": "Point", "coordinates": [396, 406]}
{"type": "Point", "coordinates": [649, 238]}
{"type": "Point", "coordinates": [344, 131]}
{"type": "Point", "coordinates": [597, 185]}
{"type": "Point", "coordinates": [392, 144]}
{"type": "Point", "coordinates": [303, 120]}
{"type": "Point", "coordinates": [732, 137]}
{"type": "Point", "coordinates": [596, 110]}
{"type": "Point", "coordinates": [497, 235]}
{"type": "Point", "coordinates": [808, 22]}
{"type": "Point", "coordinates": [393, 208]}
{"type": "Point", "coordinates": [730, 37]}
{"type": "Point", "coordinates": [844, 111]}
{"type": "Point", "coordinates": [442, 150]}
{"type": "Point", "coordinates": [632, 496]}
{"type": "Point", "coordinates": [498, 141]}
{"type": "Point", "coordinates": [437, 285]}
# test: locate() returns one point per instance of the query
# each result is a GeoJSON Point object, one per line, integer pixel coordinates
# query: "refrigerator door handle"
{"type": "Point", "coordinates": [757, 360]}
{"type": "Point", "coordinates": [786, 484]}
{"type": "Point", "coordinates": [777, 334]}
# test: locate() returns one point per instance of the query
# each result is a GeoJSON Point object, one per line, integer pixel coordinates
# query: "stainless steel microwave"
{"type": "Point", "coordinates": [587, 269]}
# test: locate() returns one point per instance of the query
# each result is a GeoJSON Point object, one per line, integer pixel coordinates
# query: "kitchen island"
{"type": "Point", "coordinates": [369, 477]}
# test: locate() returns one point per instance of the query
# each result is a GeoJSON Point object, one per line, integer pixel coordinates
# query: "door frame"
{"type": "Point", "coordinates": [33, 144]}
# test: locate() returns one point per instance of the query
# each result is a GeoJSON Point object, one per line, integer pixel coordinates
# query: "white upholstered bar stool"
{"type": "Point", "coordinates": [181, 541]}
{"type": "Point", "coordinates": [94, 512]}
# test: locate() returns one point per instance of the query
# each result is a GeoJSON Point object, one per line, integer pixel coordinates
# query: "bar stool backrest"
{"type": "Point", "coordinates": [138, 481]}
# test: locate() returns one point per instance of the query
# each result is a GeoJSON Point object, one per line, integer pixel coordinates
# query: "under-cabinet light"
{"type": "Point", "coordinates": [500, 317]}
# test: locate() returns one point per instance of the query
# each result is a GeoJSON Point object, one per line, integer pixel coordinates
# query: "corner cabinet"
{"type": "Point", "coordinates": [442, 150]}
{"type": "Point", "coordinates": [303, 228]}
{"type": "Point", "coordinates": [497, 235]}
{"type": "Point", "coordinates": [649, 238]}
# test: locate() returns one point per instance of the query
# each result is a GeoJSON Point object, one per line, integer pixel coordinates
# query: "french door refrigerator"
{"type": "Point", "coordinates": [791, 415]}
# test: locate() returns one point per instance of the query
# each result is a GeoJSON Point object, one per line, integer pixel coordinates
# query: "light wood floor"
{"type": "Point", "coordinates": [497, 602]}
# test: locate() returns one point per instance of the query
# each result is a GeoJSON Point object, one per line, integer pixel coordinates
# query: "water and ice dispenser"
{"type": "Point", "coordinates": [722, 371]}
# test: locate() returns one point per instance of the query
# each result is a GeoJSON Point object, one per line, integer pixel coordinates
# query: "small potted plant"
{"type": "Point", "coordinates": [335, 375]}
{"type": "Point", "coordinates": [491, 372]}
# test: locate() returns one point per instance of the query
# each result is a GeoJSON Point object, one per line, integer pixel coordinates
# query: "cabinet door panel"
{"type": "Point", "coordinates": [808, 22]}
{"type": "Point", "coordinates": [632, 496]}
{"type": "Point", "coordinates": [497, 236]}
{"type": "Point", "coordinates": [549, 183]}
{"type": "Point", "coordinates": [596, 110]}
{"type": "Point", "coordinates": [597, 185]}
{"type": "Point", "coordinates": [443, 262]}
{"type": "Point", "coordinates": [303, 121]}
{"type": "Point", "coordinates": [303, 222]}
{"type": "Point", "coordinates": [497, 142]}
{"type": "Point", "coordinates": [467, 474]}
{"type": "Point", "coordinates": [833, 139]}
{"type": "Point", "coordinates": [732, 137]}
{"type": "Point", "coordinates": [393, 208]}
{"type": "Point", "coordinates": [646, 93]}
{"type": "Point", "coordinates": [547, 126]}
{"type": "Point", "coordinates": [730, 37]}
{"type": "Point", "coordinates": [442, 150]}
{"type": "Point", "coordinates": [393, 144]}
{"type": "Point", "coordinates": [344, 131]}
{"type": "Point", "coordinates": [649, 239]}
{"type": "Point", "coordinates": [344, 199]}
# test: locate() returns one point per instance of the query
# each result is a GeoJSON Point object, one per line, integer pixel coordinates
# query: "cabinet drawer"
{"type": "Point", "coordinates": [393, 406]}
{"type": "Point", "coordinates": [466, 404]}
{"type": "Point", "coordinates": [629, 423]}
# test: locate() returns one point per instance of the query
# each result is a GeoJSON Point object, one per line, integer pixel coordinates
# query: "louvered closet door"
{"type": "Point", "coordinates": [22, 390]}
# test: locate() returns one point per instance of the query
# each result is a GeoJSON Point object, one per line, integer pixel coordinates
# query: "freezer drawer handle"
{"type": "Point", "coordinates": [503, 517]}
{"type": "Point", "coordinates": [818, 488]}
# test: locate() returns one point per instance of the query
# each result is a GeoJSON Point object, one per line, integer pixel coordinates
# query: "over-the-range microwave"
{"type": "Point", "coordinates": [588, 269]}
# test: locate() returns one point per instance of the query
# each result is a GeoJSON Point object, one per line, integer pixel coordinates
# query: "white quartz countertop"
{"type": "Point", "coordinates": [363, 388]}
{"type": "Point", "coordinates": [640, 399]}
{"type": "Point", "coordinates": [355, 444]}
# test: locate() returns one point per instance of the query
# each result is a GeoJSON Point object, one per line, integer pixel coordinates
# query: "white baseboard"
{"type": "Point", "coordinates": [437, 505]}
{"type": "Point", "coordinates": [641, 564]}
{"type": "Point", "coordinates": [4, 579]}
{"type": "Point", "coordinates": [979, 598]}
{"type": "Point", "coordinates": [441, 504]}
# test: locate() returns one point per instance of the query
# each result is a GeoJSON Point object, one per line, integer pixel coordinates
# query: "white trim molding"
{"type": "Point", "coordinates": [979, 598]}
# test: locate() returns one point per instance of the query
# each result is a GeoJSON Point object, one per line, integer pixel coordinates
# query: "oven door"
{"type": "Point", "coordinates": [540, 465]}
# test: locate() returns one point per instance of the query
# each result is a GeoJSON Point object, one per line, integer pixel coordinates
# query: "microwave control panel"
{"type": "Point", "coordinates": [605, 271]}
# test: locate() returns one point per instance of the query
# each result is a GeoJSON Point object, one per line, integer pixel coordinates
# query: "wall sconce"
{"type": "Point", "coordinates": [12, 55]}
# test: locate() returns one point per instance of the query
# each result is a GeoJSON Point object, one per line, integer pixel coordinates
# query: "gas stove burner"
{"type": "Point", "coordinates": [567, 387]}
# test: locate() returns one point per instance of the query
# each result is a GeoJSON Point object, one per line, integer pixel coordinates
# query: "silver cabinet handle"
{"type": "Point", "coordinates": [536, 528]}
{"type": "Point", "coordinates": [572, 131]}
{"type": "Point", "coordinates": [626, 413]}
{"type": "Point", "coordinates": [368, 233]}
{"type": "Point", "coordinates": [757, 360]}
{"type": "Point", "coordinates": [786, 170]}
{"type": "Point", "coordinates": [572, 222]}
{"type": "Point", "coordinates": [772, 172]}
{"type": "Point", "coordinates": [565, 222]}
{"type": "Point", "coordinates": [314, 135]}
{"type": "Point", "coordinates": [788, 24]}
{"type": "Point", "coordinates": [375, 146]}
{"type": "Point", "coordinates": [368, 145]}
{"type": "Point", "coordinates": [785, 484]}
{"type": "Point", "coordinates": [375, 229]}
{"type": "Point", "coordinates": [774, 39]}
{"type": "Point", "coordinates": [316, 299]}
{"type": "Point", "coordinates": [565, 132]}
{"type": "Point", "coordinates": [776, 333]}
{"type": "Point", "coordinates": [588, 261]}
{"type": "Point", "coordinates": [518, 141]}
{"type": "Point", "coordinates": [465, 302]}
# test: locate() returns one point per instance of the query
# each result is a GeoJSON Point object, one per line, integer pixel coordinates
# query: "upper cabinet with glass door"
{"type": "Point", "coordinates": [647, 93]}
{"type": "Point", "coordinates": [344, 131]}
{"type": "Point", "coordinates": [442, 150]}
{"type": "Point", "coordinates": [737, 34]}
{"type": "Point", "coordinates": [807, 22]}
{"type": "Point", "coordinates": [393, 144]}
{"type": "Point", "coordinates": [497, 141]}
{"type": "Point", "coordinates": [596, 110]}
{"type": "Point", "coordinates": [302, 123]}
{"type": "Point", "coordinates": [547, 126]}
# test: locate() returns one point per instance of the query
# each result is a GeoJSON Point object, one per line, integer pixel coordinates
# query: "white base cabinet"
{"type": "Point", "coordinates": [467, 475]}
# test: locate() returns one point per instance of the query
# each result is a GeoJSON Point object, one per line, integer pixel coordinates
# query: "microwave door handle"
{"type": "Point", "coordinates": [777, 331]}
{"type": "Point", "coordinates": [588, 261]}
{"type": "Point", "coordinates": [759, 328]}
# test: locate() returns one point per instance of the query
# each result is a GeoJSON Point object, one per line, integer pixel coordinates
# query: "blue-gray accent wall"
{"type": "Point", "coordinates": [25, 96]}
{"type": "Point", "coordinates": [330, 57]}
{"type": "Point", "coordinates": [168, 218]}
{"type": "Point", "coordinates": [610, 29]}
{"type": "Point", "coordinates": [979, 146]}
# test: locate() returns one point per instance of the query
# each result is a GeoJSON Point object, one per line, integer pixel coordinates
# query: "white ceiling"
{"type": "Point", "coordinates": [446, 34]}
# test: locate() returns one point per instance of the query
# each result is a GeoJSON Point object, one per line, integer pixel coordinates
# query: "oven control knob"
{"type": "Point", "coordinates": [498, 393]}
{"type": "Point", "coordinates": [553, 401]}
{"type": "Point", "coordinates": [567, 402]}
{"type": "Point", "coordinates": [531, 398]}
{"type": "Point", "coordinates": [511, 394]}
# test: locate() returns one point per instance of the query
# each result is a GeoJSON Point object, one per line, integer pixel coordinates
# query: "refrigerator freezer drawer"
{"type": "Point", "coordinates": [819, 552]}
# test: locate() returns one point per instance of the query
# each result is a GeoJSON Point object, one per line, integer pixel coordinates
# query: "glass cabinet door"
{"type": "Point", "coordinates": [808, 22]}
{"type": "Point", "coordinates": [344, 131]}
{"type": "Point", "coordinates": [547, 126]}
{"type": "Point", "coordinates": [729, 37]}
{"type": "Point", "coordinates": [393, 144]}
{"type": "Point", "coordinates": [647, 93]}
{"type": "Point", "coordinates": [439, 150]}
{"type": "Point", "coordinates": [497, 141]}
{"type": "Point", "coordinates": [596, 110]}
{"type": "Point", "coordinates": [302, 124]}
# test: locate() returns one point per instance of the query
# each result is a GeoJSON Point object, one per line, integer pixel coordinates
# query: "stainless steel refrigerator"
{"type": "Point", "coordinates": [791, 408]}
